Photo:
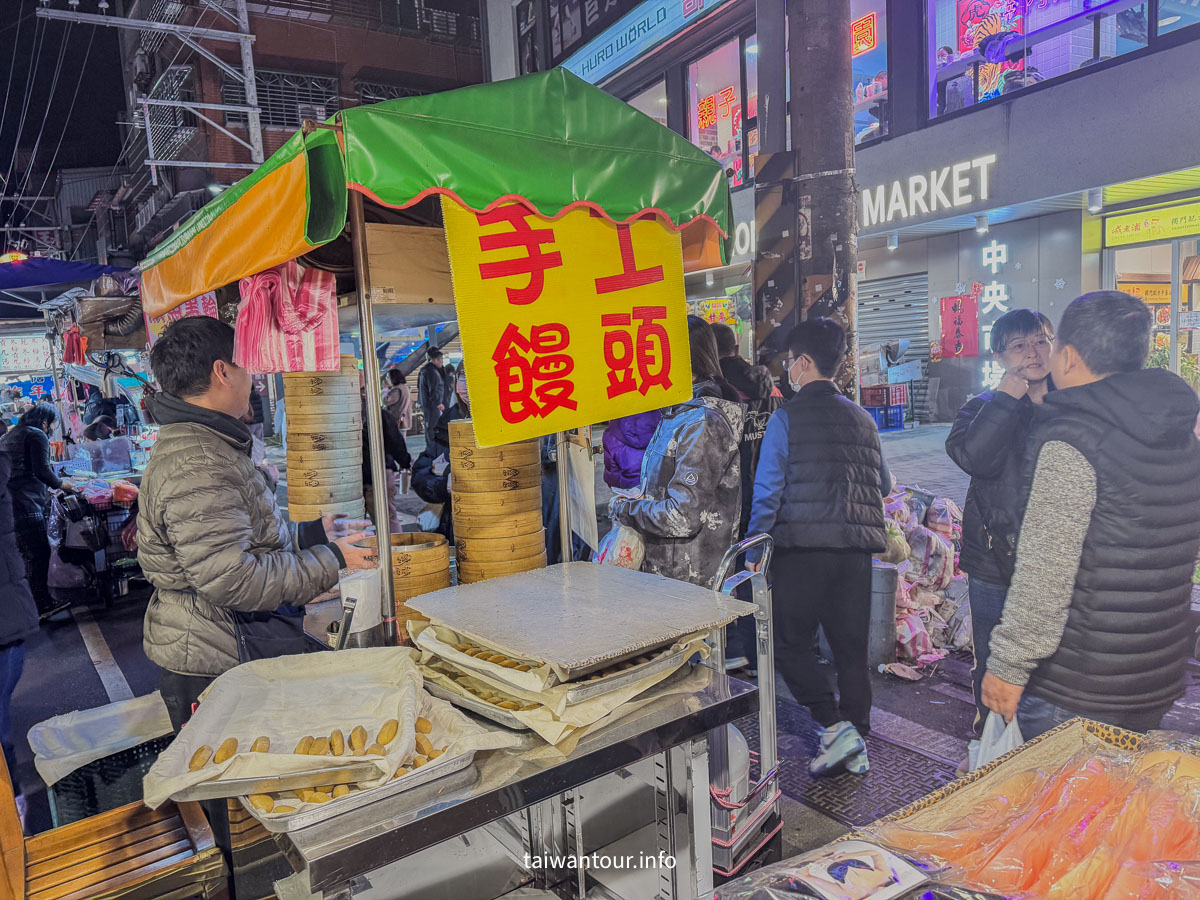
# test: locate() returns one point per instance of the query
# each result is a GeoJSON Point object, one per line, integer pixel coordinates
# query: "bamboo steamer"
{"type": "Point", "coordinates": [324, 459]}
{"type": "Point", "coordinates": [323, 390]}
{"type": "Point", "coordinates": [509, 456]}
{"type": "Point", "coordinates": [469, 525]}
{"type": "Point", "coordinates": [324, 477]}
{"type": "Point", "coordinates": [339, 421]}
{"type": "Point", "coordinates": [310, 441]}
{"type": "Point", "coordinates": [416, 553]}
{"type": "Point", "coordinates": [348, 365]}
{"type": "Point", "coordinates": [328, 405]}
{"type": "Point", "coordinates": [316, 496]}
{"type": "Point", "coordinates": [468, 573]}
{"type": "Point", "coordinates": [470, 551]}
{"type": "Point", "coordinates": [415, 585]}
{"type": "Point", "coordinates": [472, 481]}
{"type": "Point", "coordinates": [307, 512]}
{"type": "Point", "coordinates": [462, 434]}
{"type": "Point", "coordinates": [497, 503]}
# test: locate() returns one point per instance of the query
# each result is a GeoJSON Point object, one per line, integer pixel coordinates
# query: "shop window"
{"type": "Point", "coordinates": [525, 13]}
{"type": "Point", "coordinates": [984, 49]}
{"type": "Point", "coordinates": [869, 79]}
{"type": "Point", "coordinates": [751, 100]}
{"type": "Point", "coordinates": [566, 27]}
{"type": "Point", "coordinates": [716, 115]}
{"type": "Point", "coordinates": [1176, 14]}
{"type": "Point", "coordinates": [652, 102]}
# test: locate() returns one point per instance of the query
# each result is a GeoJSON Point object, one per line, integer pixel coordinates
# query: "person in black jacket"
{"type": "Point", "coordinates": [988, 442]}
{"type": "Point", "coordinates": [27, 447]}
{"type": "Point", "coordinates": [395, 457]}
{"type": "Point", "coordinates": [431, 471]}
{"type": "Point", "coordinates": [432, 395]}
{"type": "Point", "coordinates": [18, 619]}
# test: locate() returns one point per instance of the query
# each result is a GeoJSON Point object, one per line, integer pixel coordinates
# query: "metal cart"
{"type": "Point", "coordinates": [643, 808]}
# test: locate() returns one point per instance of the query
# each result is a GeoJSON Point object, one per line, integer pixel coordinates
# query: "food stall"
{"type": "Point", "coordinates": [555, 223]}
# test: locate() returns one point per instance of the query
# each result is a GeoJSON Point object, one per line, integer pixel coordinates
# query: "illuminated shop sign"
{"type": "Point", "coordinates": [864, 34]}
{"type": "Point", "coordinates": [633, 34]}
{"type": "Point", "coordinates": [948, 188]}
{"type": "Point", "coordinates": [1154, 225]}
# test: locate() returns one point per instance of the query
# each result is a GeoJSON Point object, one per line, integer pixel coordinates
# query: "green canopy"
{"type": "Point", "coordinates": [549, 140]}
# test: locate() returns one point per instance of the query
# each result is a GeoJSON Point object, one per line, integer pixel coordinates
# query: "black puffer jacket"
{"type": "Point", "coordinates": [988, 442]}
{"type": "Point", "coordinates": [754, 385]}
{"type": "Point", "coordinates": [429, 486]}
{"type": "Point", "coordinates": [1128, 634]}
{"type": "Point", "coordinates": [18, 612]}
{"type": "Point", "coordinates": [28, 452]}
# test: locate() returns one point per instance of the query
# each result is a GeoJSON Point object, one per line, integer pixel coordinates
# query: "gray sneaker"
{"type": "Point", "coordinates": [839, 744]}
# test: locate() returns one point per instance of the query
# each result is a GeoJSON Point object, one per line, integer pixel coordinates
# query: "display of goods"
{"type": "Point", "coordinates": [481, 550]}
{"type": "Point", "coordinates": [324, 442]}
{"type": "Point", "coordinates": [884, 394]}
{"type": "Point", "coordinates": [504, 478]}
{"type": "Point", "coordinates": [470, 572]}
{"type": "Point", "coordinates": [472, 525]}
{"type": "Point", "coordinates": [1107, 823]}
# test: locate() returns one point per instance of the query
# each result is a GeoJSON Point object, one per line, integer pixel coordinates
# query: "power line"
{"type": "Point", "coordinates": [39, 36]}
{"type": "Point", "coordinates": [37, 143]}
{"type": "Point", "coordinates": [12, 65]}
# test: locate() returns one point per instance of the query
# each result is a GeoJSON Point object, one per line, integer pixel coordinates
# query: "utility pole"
{"type": "Point", "coordinates": [806, 202]}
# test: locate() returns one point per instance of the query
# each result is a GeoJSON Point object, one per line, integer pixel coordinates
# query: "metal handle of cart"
{"type": "Point", "coordinates": [736, 822]}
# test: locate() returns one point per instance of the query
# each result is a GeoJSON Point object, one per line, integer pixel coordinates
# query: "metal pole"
{"type": "Point", "coordinates": [564, 499]}
{"type": "Point", "coordinates": [253, 116]}
{"type": "Point", "coordinates": [62, 420]}
{"type": "Point", "coordinates": [366, 330]}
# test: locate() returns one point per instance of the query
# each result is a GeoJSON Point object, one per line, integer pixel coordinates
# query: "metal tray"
{"type": "Point", "coordinates": [219, 788]}
{"type": "Point", "coordinates": [479, 707]}
{"type": "Point", "coordinates": [615, 682]}
{"type": "Point", "coordinates": [578, 617]}
{"type": "Point", "coordinates": [439, 768]}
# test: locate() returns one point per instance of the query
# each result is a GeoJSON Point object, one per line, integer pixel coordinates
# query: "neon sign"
{"type": "Point", "coordinates": [723, 101]}
{"type": "Point", "coordinates": [14, 256]}
{"type": "Point", "coordinates": [864, 34]}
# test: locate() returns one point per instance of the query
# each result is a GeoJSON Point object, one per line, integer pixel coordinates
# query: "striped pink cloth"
{"type": "Point", "coordinates": [287, 321]}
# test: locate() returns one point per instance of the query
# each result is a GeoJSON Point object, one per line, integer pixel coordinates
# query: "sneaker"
{"type": "Point", "coordinates": [838, 744]}
{"type": "Point", "coordinates": [737, 662]}
{"type": "Point", "coordinates": [858, 765]}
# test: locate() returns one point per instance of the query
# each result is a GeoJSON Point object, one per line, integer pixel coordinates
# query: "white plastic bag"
{"type": "Point", "coordinates": [998, 738]}
{"type": "Point", "coordinates": [623, 547]}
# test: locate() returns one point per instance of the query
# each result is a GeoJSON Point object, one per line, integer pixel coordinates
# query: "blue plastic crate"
{"type": "Point", "coordinates": [880, 415]}
{"type": "Point", "coordinates": [895, 416]}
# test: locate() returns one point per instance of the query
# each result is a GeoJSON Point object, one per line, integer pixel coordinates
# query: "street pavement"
{"type": "Point", "coordinates": [919, 731]}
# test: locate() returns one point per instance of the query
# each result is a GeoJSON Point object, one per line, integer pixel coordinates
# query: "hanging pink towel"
{"type": "Point", "coordinates": [287, 321]}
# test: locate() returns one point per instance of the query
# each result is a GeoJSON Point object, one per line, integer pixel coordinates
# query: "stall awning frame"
{"type": "Point", "coordinates": [549, 140]}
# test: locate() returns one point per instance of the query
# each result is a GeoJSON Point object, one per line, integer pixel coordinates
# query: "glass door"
{"type": "Point", "coordinates": [1167, 277]}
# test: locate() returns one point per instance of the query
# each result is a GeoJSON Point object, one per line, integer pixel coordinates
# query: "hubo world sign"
{"type": "Point", "coordinates": [948, 188]}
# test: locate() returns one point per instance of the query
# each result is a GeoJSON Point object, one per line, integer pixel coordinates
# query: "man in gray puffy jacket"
{"type": "Point", "coordinates": [211, 539]}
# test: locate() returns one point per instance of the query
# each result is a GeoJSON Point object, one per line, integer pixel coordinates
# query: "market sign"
{"type": "Point", "coordinates": [639, 30]}
{"type": "Point", "coordinates": [566, 322]}
{"type": "Point", "coordinates": [948, 188]}
{"type": "Point", "coordinates": [24, 354]}
{"type": "Point", "coordinates": [1153, 225]}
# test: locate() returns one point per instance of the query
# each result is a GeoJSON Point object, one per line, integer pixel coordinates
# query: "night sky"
{"type": "Point", "coordinates": [91, 137]}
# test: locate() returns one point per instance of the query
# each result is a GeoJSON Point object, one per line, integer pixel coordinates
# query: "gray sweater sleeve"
{"type": "Point", "coordinates": [1048, 553]}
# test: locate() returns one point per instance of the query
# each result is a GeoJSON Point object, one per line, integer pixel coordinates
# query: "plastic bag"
{"type": "Point", "coordinates": [623, 547]}
{"type": "Point", "coordinates": [897, 546]}
{"type": "Point", "coordinates": [997, 739]}
{"type": "Point", "coordinates": [932, 557]}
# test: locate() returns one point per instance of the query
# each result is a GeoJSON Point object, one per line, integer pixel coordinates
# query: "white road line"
{"type": "Point", "coordinates": [110, 673]}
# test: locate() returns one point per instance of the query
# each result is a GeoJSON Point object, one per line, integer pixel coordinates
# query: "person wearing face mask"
{"type": "Point", "coordinates": [988, 442]}
{"type": "Point", "coordinates": [431, 471]}
{"type": "Point", "coordinates": [27, 447]}
{"type": "Point", "coordinates": [819, 493]}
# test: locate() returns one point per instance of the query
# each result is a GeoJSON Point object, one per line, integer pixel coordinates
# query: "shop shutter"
{"type": "Point", "coordinates": [893, 308]}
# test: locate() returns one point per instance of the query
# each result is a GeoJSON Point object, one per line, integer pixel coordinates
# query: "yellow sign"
{"type": "Point", "coordinates": [1153, 225]}
{"type": "Point", "coordinates": [1151, 293]}
{"type": "Point", "coordinates": [566, 323]}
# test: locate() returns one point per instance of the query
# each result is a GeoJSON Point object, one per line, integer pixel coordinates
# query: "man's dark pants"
{"type": "Point", "coordinates": [830, 589]}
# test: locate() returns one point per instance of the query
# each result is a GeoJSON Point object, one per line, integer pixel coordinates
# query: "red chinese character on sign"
{"type": "Point", "coordinates": [534, 263]}
{"type": "Point", "coordinates": [691, 7]}
{"type": "Point", "coordinates": [727, 101]}
{"type": "Point", "coordinates": [37, 390]}
{"type": "Point", "coordinates": [631, 276]}
{"type": "Point", "coordinates": [864, 35]}
{"type": "Point", "coordinates": [649, 351]}
{"type": "Point", "coordinates": [706, 111]}
{"type": "Point", "coordinates": [533, 372]}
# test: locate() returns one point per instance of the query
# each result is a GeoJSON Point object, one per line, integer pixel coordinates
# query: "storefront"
{"type": "Point", "coordinates": [726, 294]}
{"type": "Point", "coordinates": [1155, 254]}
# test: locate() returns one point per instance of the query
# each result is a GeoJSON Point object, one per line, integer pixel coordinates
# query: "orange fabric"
{"type": "Point", "coordinates": [262, 229]}
{"type": "Point", "coordinates": [701, 245]}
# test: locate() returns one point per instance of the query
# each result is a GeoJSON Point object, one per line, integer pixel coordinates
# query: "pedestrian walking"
{"type": "Point", "coordinates": [1097, 618]}
{"type": "Point", "coordinates": [230, 573]}
{"type": "Point", "coordinates": [30, 481]}
{"type": "Point", "coordinates": [625, 441]}
{"type": "Point", "coordinates": [988, 441]}
{"type": "Point", "coordinates": [431, 472]}
{"type": "Point", "coordinates": [431, 392]}
{"type": "Point", "coordinates": [398, 399]}
{"type": "Point", "coordinates": [690, 498]}
{"type": "Point", "coordinates": [819, 493]}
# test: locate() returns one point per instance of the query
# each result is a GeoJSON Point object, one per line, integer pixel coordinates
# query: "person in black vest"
{"type": "Point", "coordinates": [819, 493]}
{"type": "Point", "coordinates": [988, 442]}
{"type": "Point", "coordinates": [1096, 622]}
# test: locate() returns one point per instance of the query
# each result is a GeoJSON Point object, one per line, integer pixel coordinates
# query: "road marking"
{"type": "Point", "coordinates": [110, 673]}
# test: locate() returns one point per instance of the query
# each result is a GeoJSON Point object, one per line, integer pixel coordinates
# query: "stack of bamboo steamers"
{"type": "Point", "coordinates": [496, 494]}
{"type": "Point", "coordinates": [324, 442]}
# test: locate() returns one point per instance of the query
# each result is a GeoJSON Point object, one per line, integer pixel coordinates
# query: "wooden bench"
{"type": "Point", "coordinates": [132, 852]}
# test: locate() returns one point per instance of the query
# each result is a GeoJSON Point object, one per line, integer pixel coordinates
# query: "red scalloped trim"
{"type": "Point", "coordinates": [517, 198]}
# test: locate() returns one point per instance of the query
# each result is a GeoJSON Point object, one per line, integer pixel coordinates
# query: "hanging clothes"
{"type": "Point", "coordinates": [287, 321]}
{"type": "Point", "coordinates": [74, 347]}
